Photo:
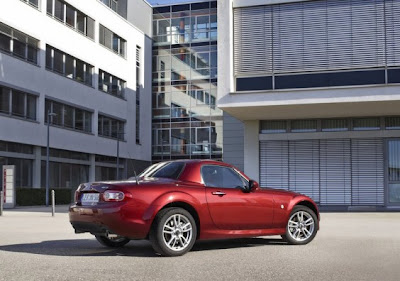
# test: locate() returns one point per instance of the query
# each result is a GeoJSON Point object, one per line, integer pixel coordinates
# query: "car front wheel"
{"type": "Point", "coordinates": [173, 232]}
{"type": "Point", "coordinates": [301, 227]}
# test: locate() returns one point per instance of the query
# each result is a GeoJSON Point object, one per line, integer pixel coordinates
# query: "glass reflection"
{"type": "Point", "coordinates": [186, 121]}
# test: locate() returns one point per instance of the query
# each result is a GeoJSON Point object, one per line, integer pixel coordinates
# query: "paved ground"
{"type": "Point", "coordinates": [350, 246]}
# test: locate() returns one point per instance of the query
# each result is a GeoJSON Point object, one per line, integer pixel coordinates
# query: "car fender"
{"type": "Point", "coordinates": [298, 200]}
{"type": "Point", "coordinates": [167, 198]}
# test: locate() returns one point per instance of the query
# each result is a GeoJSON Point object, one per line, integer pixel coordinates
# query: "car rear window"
{"type": "Point", "coordinates": [170, 171]}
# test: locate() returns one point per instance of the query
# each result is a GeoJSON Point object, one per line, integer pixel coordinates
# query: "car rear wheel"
{"type": "Point", "coordinates": [173, 232]}
{"type": "Point", "coordinates": [112, 241]}
{"type": "Point", "coordinates": [301, 227]}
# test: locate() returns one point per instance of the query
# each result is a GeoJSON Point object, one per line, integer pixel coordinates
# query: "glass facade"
{"type": "Point", "coordinates": [186, 121]}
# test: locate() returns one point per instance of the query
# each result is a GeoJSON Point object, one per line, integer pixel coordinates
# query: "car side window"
{"type": "Point", "coordinates": [218, 176]}
{"type": "Point", "coordinates": [169, 171]}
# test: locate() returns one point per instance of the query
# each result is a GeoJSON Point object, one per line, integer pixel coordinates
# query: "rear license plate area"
{"type": "Point", "coordinates": [90, 198]}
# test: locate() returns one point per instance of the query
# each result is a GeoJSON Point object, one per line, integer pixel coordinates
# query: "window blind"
{"type": "Point", "coordinates": [315, 36]}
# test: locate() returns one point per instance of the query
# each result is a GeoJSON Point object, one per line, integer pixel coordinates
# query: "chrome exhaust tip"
{"type": "Point", "coordinates": [111, 235]}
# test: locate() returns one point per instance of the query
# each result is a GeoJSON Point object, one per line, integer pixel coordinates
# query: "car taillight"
{"type": "Point", "coordinates": [76, 196]}
{"type": "Point", "coordinates": [111, 195]}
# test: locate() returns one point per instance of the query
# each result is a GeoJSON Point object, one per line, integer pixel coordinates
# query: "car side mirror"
{"type": "Point", "coordinates": [253, 185]}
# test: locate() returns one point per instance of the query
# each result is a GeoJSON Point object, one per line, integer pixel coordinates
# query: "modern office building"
{"type": "Point", "coordinates": [186, 120]}
{"type": "Point", "coordinates": [86, 62]}
{"type": "Point", "coordinates": [316, 84]}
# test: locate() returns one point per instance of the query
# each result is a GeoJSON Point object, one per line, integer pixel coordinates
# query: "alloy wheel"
{"type": "Point", "coordinates": [177, 232]}
{"type": "Point", "coordinates": [301, 226]}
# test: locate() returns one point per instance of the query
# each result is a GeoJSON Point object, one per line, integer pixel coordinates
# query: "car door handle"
{"type": "Point", "coordinates": [219, 193]}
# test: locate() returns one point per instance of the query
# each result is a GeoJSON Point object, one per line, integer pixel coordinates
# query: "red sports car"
{"type": "Point", "coordinates": [175, 203]}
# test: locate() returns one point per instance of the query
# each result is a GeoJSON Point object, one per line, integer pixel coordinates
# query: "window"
{"type": "Point", "coordinates": [112, 41]}
{"type": "Point", "coordinates": [218, 176]}
{"type": "Point", "coordinates": [170, 170]}
{"type": "Point", "coordinates": [285, 27]}
{"type": "Point", "coordinates": [34, 3]}
{"type": "Point", "coordinates": [105, 159]}
{"type": "Point", "coordinates": [58, 10]}
{"type": "Point", "coordinates": [66, 154]}
{"type": "Point", "coordinates": [137, 94]}
{"type": "Point", "coordinates": [273, 126]}
{"type": "Point", "coordinates": [4, 100]}
{"type": "Point", "coordinates": [16, 147]}
{"type": "Point", "coordinates": [113, 4]}
{"type": "Point", "coordinates": [68, 116]}
{"type": "Point", "coordinates": [72, 17]}
{"type": "Point", "coordinates": [58, 60]}
{"type": "Point", "coordinates": [332, 125]}
{"type": "Point", "coordinates": [110, 127]}
{"type": "Point", "coordinates": [23, 170]}
{"type": "Point", "coordinates": [68, 66]}
{"type": "Point", "coordinates": [17, 103]}
{"type": "Point", "coordinates": [202, 135]}
{"type": "Point", "coordinates": [65, 175]}
{"type": "Point", "coordinates": [361, 124]}
{"type": "Point", "coordinates": [106, 173]}
{"type": "Point", "coordinates": [111, 84]}
{"type": "Point", "coordinates": [18, 44]}
{"type": "Point", "coordinates": [298, 126]}
{"type": "Point", "coordinates": [392, 123]}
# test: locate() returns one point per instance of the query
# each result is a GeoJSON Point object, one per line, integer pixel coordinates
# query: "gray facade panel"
{"type": "Point", "coordinates": [233, 141]}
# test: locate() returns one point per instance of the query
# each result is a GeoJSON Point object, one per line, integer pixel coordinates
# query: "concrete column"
{"type": "Point", "coordinates": [92, 168]}
{"type": "Point", "coordinates": [251, 149]}
{"type": "Point", "coordinates": [37, 152]}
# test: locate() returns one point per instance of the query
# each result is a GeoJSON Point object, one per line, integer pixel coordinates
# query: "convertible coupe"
{"type": "Point", "coordinates": [175, 203]}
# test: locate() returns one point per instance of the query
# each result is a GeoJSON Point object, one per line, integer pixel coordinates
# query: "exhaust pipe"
{"type": "Point", "coordinates": [111, 235]}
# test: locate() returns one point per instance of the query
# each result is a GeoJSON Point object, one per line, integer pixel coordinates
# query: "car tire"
{"type": "Point", "coordinates": [302, 226]}
{"type": "Point", "coordinates": [173, 232]}
{"type": "Point", "coordinates": [112, 242]}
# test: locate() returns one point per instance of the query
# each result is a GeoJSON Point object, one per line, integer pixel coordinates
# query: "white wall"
{"type": "Point", "coordinates": [18, 73]}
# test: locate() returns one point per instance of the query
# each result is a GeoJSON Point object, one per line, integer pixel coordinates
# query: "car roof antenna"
{"type": "Point", "coordinates": [134, 170]}
{"type": "Point", "coordinates": [136, 178]}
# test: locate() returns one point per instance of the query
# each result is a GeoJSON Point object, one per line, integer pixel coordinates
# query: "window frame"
{"type": "Point", "coordinates": [28, 44]}
{"type": "Point", "coordinates": [10, 92]}
{"type": "Point", "coordinates": [101, 118]}
{"type": "Point", "coordinates": [109, 84]}
{"type": "Point", "coordinates": [121, 42]}
{"type": "Point", "coordinates": [87, 67]}
{"type": "Point", "coordinates": [29, 2]}
{"type": "Point", "coordinates": [86, 32]}
{"type": "Point", "coordinates": [49, 105]}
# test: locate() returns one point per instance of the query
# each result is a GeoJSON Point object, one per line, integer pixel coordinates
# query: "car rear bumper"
{"type": "Point", "coordinates": [101, 219]}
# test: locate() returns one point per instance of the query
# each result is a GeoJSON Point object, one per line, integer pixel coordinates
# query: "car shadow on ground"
{"type": "Point", "coordinates": [142, 248]}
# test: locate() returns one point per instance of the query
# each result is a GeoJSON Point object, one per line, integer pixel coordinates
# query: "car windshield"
{"type": "Point", "coordinates": [170, 170]}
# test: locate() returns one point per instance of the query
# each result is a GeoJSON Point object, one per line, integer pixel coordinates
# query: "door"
{"type": "Point", "coordinates": [393, 171]}
{"type": "Point", "coordinates": [232, 208]}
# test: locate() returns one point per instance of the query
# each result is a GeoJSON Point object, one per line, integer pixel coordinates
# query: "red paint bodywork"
{"type": "Point", "coordinates": [237, 214]}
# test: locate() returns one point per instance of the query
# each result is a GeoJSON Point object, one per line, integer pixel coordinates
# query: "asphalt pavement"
{"type": "Point", "coordinates": [349, 246]}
